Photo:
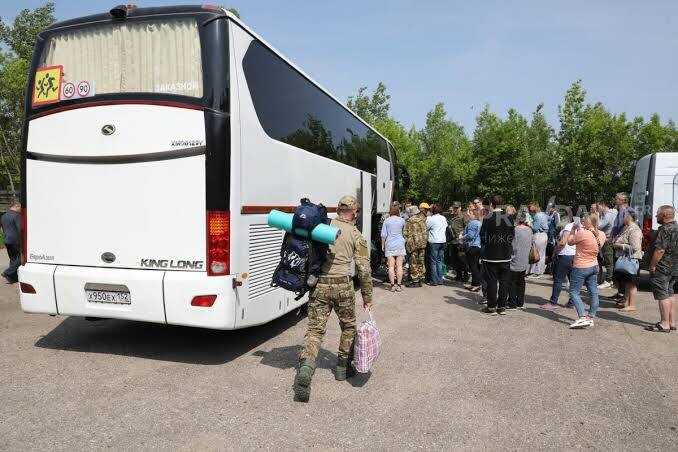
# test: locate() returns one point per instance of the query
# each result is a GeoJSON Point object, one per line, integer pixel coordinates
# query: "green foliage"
{"type": "Point", "coordinates": [19, 39]}
{"type": "Point", "coordinates": [371, 109]}
{"type": "Point", "coordinates": [590, 157]}
{"type": "Point", "coordinates": [21, 35]}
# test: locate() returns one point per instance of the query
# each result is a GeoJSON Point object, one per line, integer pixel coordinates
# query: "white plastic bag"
{"type": "Point", "coordinates": [367, 345]}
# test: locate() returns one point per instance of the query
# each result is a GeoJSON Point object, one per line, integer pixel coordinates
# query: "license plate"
{"type": "Point", "coordinates": [107, 293]}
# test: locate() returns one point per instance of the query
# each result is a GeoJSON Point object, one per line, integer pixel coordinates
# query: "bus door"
{"type": "Point", "coordinates": [384, 185]}
{"type": "Point", "coordinates": [366, 206]}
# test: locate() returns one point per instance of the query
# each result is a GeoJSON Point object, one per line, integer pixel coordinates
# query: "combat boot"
{"type": "Point", "coordinates": [344, 369]}
{"type": "Point", "coordinates": [302, 382]}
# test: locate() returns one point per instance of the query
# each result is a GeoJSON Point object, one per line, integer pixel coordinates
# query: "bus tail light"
{"type": "Point", "coordinates": [24, 235]}
{"type": "Point", "coordinates": [218, 242]}
{"type": "Point", "coordinates": [26, 288]}
{"type": "Point", "coordinates": [203, 301]}
{"type": "Point", "coordinates": [647, 232]}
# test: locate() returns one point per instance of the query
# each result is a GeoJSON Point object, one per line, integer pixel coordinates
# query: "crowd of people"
{"type": "Point", "coordinates": [492, 248]}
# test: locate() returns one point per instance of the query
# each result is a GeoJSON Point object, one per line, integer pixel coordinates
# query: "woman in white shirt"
{"type": "Point", "coordinates": [436, 225]}
{"type": "Point", "coordinates": [562, 266]}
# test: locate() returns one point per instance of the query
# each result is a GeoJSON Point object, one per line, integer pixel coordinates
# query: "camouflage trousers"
{"type": "Point", "coordinates": [324, 298]}
{"type": "Point", "coordinates": [417, 266]}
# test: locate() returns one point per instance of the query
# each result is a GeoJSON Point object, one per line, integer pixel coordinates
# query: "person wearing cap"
{"type": "Point", "coordinates": [629, 244]}
{"type": "Point", "coordinates": [415, 244]}
{"type": "Point", "coordinates": [334, 291]}
{"type": "Point", "coordinates": [425, 208]}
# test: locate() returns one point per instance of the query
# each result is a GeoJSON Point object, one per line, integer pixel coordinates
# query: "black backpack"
{"type": "Point", "coordinates": [300, 257]}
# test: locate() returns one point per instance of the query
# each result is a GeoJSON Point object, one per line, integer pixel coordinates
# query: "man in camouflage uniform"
{"type": "Point", "coordinates": [415, 244]}
{"type": "Point", "coordinates": [457, 224]}
{"type": "Point", "coordinates": [335, 291]}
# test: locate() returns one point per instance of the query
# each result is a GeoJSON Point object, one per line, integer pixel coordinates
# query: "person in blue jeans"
{"type": "Point", "coordinates": [587, 239]}
{"type": "Point", "coordinates": [436, 225]}
{"type": "Point", "coordinates": [562, 266]}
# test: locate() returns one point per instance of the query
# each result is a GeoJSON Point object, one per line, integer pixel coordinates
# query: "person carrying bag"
{"type": "Point", "coordinates": [629, 245]}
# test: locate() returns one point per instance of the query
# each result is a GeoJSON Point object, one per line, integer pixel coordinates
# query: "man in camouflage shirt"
{"type": "Point", "coordinates": [457, 224]}
{"type": "Point", "coordinates": [664, 269]}
{"type": "Point", "coordinates": [415, 243]}
{"type": "Point", "coordinates": [335, 291]}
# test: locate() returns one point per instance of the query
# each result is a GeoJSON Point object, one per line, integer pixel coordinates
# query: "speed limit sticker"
{"type": "Point", "coordinates": [84, 88]}
{"type": "Point", "coordinates": [68, 90]}
{"type": "Point", "coordinates": [71, 90]}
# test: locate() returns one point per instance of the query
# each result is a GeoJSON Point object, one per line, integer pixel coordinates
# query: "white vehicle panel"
{"type": "Point", "coordinates": [77, 212]}
{"type": "Point", "coordinates": [145, 288]}
{"type": "Point", "coordinates": [41, 277]}
{"type": "Point", "coordinates": [181, 287]}
{"type": "Point", "coordinates": [384, 185]}
{"type": "Point", "coordinates": [139, 129]}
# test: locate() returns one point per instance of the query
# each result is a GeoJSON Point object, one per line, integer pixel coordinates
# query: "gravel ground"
{"type": "Point", "coordinates": [448, 377]}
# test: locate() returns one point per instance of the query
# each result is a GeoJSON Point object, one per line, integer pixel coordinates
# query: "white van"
{"type": "Point", "coordinates": [156, 141]}
{"type": "Point", "coordinates": [655, 184]}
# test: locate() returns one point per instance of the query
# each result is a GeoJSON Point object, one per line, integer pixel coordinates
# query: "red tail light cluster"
{"type": "Point", "coordinates": [24, 235]}
{"type": "Point", "coordinates": [203, 301]}
{"type": "Point", "coordinates": [26, 288]}
{"type": "Point", "coordinates": [218, 243]}
{"type": "Point", "coordinates": [647, 232]}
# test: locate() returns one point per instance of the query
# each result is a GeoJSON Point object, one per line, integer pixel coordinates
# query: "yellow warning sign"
{"type": "Point", "coordinates": [47, 85]}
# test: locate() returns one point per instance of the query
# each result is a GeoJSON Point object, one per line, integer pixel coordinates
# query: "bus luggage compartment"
{"type": "Point", "coordinates": [110, 293]}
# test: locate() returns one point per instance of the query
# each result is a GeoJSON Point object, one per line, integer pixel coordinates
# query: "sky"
{"type": "Point", "coordinates": [466, 54]}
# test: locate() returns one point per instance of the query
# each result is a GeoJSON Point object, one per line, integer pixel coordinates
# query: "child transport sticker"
{"type": "Point", "coordinates": [47, 85]}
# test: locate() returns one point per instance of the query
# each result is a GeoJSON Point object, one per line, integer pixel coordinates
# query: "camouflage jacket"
{"type": "Point", "coordinates": [415, 233]}
{"type": "Point", "coordinates": [457, 225]}
{"type": "Point", "coordinates": [350, 247]}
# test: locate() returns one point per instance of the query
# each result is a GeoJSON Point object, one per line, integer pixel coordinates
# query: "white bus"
{"type": "Point", "coordinates": [156, 141]}
{"type": "Point", "coordinates": [655, 184]}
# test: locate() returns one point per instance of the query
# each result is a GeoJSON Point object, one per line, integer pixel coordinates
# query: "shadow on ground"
{"type": "Point", "coordinates": [469, 300]}
{"type": "Point", "coordinates": [162, 342]}
{"type": "Point", "coordinates": [288, 357]}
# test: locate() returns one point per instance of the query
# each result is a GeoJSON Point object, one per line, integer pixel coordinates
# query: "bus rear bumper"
{"type": "Point", "coordinates": [160, 297]}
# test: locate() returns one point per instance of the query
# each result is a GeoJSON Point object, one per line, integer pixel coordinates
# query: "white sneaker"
{"type": "Point", "coordinates": [581, 323]}
{"type": "Point", "coordinates": [605, 285]}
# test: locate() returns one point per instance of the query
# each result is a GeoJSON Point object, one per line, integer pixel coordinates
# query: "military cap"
{"type": "Point", "coordinates": [456, 204]}
{"type": "Point", "coordinates": [424, 205]}
{"type": "Point", "coordinates": [347, 202]}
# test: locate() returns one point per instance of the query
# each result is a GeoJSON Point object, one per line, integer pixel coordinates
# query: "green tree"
{"type": "Point", "coordinates": [590, 156]}
{"type": "Point", "coordinates": [535, 168]}
{"type": "Point", "coordinates": [448, 165]}
{"type": "Point", "coordinates": [596, 149]}
{"type": "Point", "coordinates": [500, 147]}
{"type": "Point", "coordinates": [372, 108]}
{"type": "Point", "coordinates": [18, 40]}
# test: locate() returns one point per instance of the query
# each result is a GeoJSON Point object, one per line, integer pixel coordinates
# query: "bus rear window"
{"type": "Point", "coordinates": [152, 56]}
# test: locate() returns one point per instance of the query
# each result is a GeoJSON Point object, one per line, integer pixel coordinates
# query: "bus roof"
{"type": "Point", "coordinates": [207, 10]}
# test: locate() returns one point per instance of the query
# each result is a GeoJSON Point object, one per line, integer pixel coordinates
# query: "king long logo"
{"type": "Point", "coordinates": [171, 263]}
